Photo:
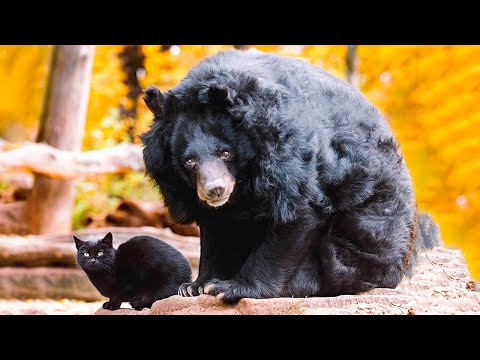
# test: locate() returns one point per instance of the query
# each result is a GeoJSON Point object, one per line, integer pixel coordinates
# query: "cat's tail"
{"type": "Point", "coordinates": [427, 236]}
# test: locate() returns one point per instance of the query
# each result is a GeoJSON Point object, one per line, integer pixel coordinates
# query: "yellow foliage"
{"type": "Point", "coordinates": [23, 70]}
{"type": "Point", "coordinates": [429, 95]}
{"type": "Point", "coordinates": [103, 125]}
{"type": "Point", "coordinates": [165, 69]}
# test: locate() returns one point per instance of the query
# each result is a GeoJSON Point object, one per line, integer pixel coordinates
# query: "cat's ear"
{"type": "Point", "coordinates": [108, 239]}
{"type": "Point", "coordinates": [78, 242]}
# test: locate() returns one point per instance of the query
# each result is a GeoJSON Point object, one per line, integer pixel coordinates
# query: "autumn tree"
{"type": "Point", "coordinates": [351, 63]}
{"type": "Point", "coordinates": [62, 126]}
{"type": "Point", "coordinates": [132, 60]}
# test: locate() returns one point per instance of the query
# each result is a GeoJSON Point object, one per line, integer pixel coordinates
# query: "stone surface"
{"type": "Point", "coordinates": [123, 311]}
{"type": "Point", "coordinates": [440, 285]}
{"type": "Point", "coordinates": [46, 283]}
{"type": "Point", "coordinates": [30, 312]}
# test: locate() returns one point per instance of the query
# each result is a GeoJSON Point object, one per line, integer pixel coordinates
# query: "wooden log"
{"type": "Point", "coordinates": [46, 283]}
{"type": "Point", "coordinates": [12, 218]}
{"type": "Point", "coordinates": [68, 165]}
{"type": "Point", "coordinates": [135, 213]}
{"type": "Point", "coordinates": [44, 266]}
{"type": "Point", "coordinates": [28, 252]}
{"type": "Point", "coordinates": [59, 249]}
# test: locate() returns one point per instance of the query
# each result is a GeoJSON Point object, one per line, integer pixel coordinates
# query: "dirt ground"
{"type": "Point", "coordinates": [50, 307]}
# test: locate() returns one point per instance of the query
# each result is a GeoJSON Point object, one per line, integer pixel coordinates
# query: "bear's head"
{"type": "Point", "coordinates": [197, 148]}
{"type": "Point", "coordinates": [221, 139]}
{"type": "Point", "coordinates": [208, 154]}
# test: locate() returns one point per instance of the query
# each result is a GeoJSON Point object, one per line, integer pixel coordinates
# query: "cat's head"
{"type": "Point", "coordinates": [95, 255]}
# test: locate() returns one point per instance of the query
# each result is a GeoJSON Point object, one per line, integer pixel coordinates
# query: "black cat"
{"type": "Point", "coordinates": [141, 271]}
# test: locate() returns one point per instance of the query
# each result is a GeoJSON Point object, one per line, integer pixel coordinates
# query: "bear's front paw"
{"type": "Point", "coordinates": [110, 305]}
{"type": "Point", "coordinates": [230, 291]}
{"type": "Point", "coordinates": [190, 289]}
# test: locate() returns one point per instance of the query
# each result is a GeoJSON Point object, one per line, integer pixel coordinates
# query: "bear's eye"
{"type": "Point", "coordinates": [190, 163]}
{"type": "Point", "coordinates": [225, 155]}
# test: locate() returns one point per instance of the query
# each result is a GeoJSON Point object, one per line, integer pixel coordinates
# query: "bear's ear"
{"type": "Point", "coordinates": [216, 95]}
{"type": "Point", "coordinates": [154, 100]}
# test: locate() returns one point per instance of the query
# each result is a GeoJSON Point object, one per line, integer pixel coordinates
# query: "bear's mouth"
{"type": "Point", "coordinates": [217, 202]}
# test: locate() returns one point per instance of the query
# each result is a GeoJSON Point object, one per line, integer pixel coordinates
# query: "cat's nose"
{"type": "Point", "coordinates": [93, 261]}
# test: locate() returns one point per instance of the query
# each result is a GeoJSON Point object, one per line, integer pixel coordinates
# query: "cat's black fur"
{"type": "Point", "coordinates": [142, 270]}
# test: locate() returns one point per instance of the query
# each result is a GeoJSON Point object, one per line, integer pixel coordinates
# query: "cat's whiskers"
{"type": "Point", "coordinates": [107, 268]}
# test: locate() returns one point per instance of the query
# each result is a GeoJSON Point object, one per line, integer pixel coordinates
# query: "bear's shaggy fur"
{"type": "Point", "coordinates": [322, 204]}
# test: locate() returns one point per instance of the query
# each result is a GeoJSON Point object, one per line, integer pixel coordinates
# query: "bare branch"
{"type": "Point", "coordinates": [60, 164]}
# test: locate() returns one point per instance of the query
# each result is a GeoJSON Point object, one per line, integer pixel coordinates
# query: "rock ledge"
{"type": "Point", "coordinates": [441, 284]}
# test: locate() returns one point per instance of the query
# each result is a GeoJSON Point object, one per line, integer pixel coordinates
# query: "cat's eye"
{"type": "Point", "coordinates": [100, 253]}
{"type": "Point", "coordinates": [86, 254]}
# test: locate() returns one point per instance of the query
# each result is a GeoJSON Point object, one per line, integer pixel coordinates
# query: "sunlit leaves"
{"type": "Point", "coordinates": [432, 102]}
{"type": "Point", "coordinates": [429, 94]}
{"type": "Point", "coordinates": [23, 71]}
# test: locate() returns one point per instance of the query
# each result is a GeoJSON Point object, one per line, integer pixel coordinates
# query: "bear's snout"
{"type": "Point", "coordinates": [215, 188]}
{"type": "Point", "coordinates": [214, 182]}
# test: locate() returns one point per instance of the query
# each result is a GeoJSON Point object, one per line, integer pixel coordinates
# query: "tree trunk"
{"type": "Point", "coordinates": [352, 63]}
{"type": "Point", "coordinates": [132, 60]}
{"type": "Point", "coordinates": [46, 97]}
{"type": "Point", "coordinates": [51, 202]}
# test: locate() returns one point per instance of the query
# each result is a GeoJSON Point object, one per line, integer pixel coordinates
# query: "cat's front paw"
{"type": "Point", "coordinates": [140, 305]}
{"type": "Point", "coordinates": [110, 305]}
{"type": "Point", "coordinates": [190, 289]}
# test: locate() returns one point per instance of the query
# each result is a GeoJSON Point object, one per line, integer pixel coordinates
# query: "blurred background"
{"type": "Point", "coordinates": [428, 94]}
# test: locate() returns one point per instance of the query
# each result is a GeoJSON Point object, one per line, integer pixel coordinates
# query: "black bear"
{"type": "Point", "coordinates": [295, 179]}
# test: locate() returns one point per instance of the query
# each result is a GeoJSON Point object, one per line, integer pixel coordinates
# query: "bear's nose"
{"type": "Point", "coordinates": [216, 192]}
{"type": "Point", "coordinates": [215, 188]}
